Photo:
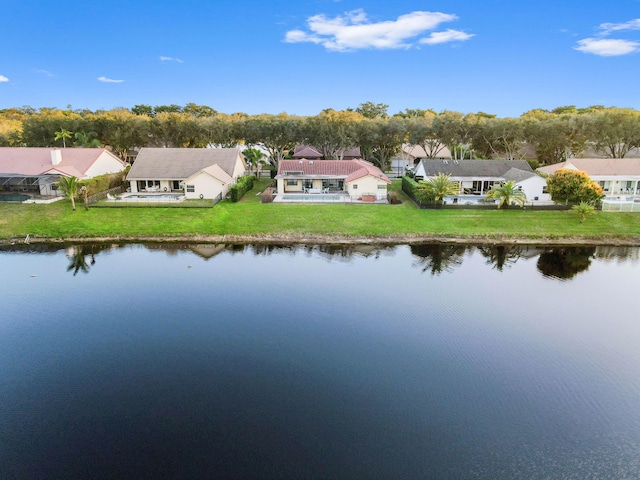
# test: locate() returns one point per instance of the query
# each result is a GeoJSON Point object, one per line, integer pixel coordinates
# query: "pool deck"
{"type": "Point", "coordinates": [160, 197]}
{"type": "Point", "coordinates": [321, 198]}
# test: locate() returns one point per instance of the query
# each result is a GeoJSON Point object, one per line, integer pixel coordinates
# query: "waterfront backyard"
{"type": "Point", "coordinates": [249, 217]}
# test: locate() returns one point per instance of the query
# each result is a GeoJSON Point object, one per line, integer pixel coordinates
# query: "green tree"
{"type": "Point", "coordinates": [85, 140]}
{"type": "Point", "coordinates": [372, 110]}
{"type": "Point", "coordinates": [507, 193]}
{"type": "Point", "coordinates": [63, 134]}
{"type": "Point", "coordinates": [436, 189]}
{"type": "Point", "coordinates": [573, 186]}
{"type": "Point", "coordinates": [584, 209]}
{"type": "Point", "coordinates": [381, 139]}
{"type": "Point", "coordinates": [69, 188]}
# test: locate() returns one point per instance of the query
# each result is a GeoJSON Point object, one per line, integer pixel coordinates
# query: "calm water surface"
{"type": "Point", "coordinates": [211, 361]}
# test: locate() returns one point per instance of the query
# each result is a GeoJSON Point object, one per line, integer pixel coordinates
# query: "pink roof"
{"type": "Point", "coordinates": [598, 166]}
{"type": "Point", "coordinates": [349, 169]}
{"type": "Point", "coordinates": [33, 161]}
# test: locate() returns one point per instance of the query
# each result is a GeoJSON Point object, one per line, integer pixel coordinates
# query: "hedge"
{"type": "Point", "coordinates": [242, 186]}
{"type": "Point", "coordinates": [409, 186]}
{"type": "Point", "coordinates": [103, 182]}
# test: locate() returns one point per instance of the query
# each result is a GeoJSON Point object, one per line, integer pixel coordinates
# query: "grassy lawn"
{"type": "Point", "coordinates": [250, 217]}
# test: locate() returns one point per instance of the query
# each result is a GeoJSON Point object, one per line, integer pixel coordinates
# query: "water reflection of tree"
{"type": "Point", "coordinates": [500, 256]}
{"type": "Point", "coordinates": [566, 262]}
{"type": "Point", "coordinates": [437, 257]}
{"type": "Point", "coordinates": [77, 255]}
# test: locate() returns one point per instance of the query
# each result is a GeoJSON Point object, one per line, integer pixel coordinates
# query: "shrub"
{"type": "Point", "coordinates": [410, 187]}
{"type": "Point", "coordinates": [103, 182]}
{"type": "Point", "coordinates": [394, 198]}
{"type": "Point", "coordinates": [242, 186]}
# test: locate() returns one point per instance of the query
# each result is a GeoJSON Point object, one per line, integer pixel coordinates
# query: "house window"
{"type": "Point", "coordinates": [292, 182]}
{"type": "Point", "coordinates": [355, 187]}
{"type": "Point", "coordinates": [544, 189]}
{"type": "Point", "coordinates": [307, 183]}
{"type": "Point", "coordinates": [191, 188]}
{"type": "Point", "coordinates": [176, 184]}
{"type": "Point", "coordinates": [382, 187]}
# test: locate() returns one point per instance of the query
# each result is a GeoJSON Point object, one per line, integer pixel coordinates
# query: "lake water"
{"type": "Point", "coordinates": [422, 362]}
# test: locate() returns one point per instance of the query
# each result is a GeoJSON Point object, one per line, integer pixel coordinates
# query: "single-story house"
{"type": "Point", "coordinates": [35, 170]}
{"type": "Point", "coordinates": [198, 172]}
{"type": "Point", "coordinates": [616, 176]}
{"type": "Point", "coordinates": [476, 177]}
{"type": "Point", "coordinates": [357, 179]}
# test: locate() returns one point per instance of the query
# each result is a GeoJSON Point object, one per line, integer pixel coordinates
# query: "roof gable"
{"type": "Point", "coordinates": [474, 168]}
{"type": "Point", "coordinates": [32, 161]}
{"type": "Point", "coordinates": [329, 168]}
{"type": "Point", "coordinates": [181, 163]}
{"type": "Point", "coordinates": [214, 171]}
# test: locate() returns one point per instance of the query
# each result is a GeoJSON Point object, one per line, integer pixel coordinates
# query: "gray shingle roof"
{"type": "Point", "coordinates": [180, 163]}
{"type": "Point", "coordinates": [475, 168]}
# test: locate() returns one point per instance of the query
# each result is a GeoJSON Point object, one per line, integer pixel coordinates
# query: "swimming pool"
{"type": "Point", "coordinates": [14, 197]}
{"type": "Point", "coordinates": [152, 196]}
{"type": "Point", "coordinates": [320, 198]}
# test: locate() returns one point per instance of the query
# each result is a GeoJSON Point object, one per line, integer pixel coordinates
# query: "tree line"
{"type": "Point", "coordinates": [550, 136]}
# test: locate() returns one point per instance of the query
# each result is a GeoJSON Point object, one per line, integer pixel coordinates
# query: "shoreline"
{"type": "Point", "coordinates": [297, 239]}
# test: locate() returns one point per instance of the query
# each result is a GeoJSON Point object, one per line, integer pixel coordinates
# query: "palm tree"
{"type": "Point", "coordinates": [63, 134]}
{"type": "Point", "coordinates": [437, 188]}
{"type": "Point", "coordinates": [507, 193]}
{"type": "Point", "coordinates": [584, 209]}
{"type": "Point", "coordinates": [254, 159]}
{"type": "Point", "coordinates": [69, 188]}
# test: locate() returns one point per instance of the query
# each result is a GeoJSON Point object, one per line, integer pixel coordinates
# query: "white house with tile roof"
{"type": "Point", "coordinates": [198, 172]}
{"type": "Point", "coordinates": [616, 176]}
{"type": "Point", "coordinates": [36, 170]}
{"type": "Point", "coordinates": [359, 179]}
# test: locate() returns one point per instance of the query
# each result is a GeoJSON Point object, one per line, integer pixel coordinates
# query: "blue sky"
{"type": "Point", "coordinates": [299, 57]}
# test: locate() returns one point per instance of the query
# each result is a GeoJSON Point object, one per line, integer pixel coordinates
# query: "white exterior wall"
{"type": "Point", "coordinates": [105, 163]}
{"type": "Point", "coordinates": [205, 185]}
{"type": "Point", "coordinates": [367, 186]}
{"type": "Point", "coordinates": [616, 185]}
{"type": "Point", "coordinates": [533, 187]}
{"type": "Point", "coordinates": [239, 168]}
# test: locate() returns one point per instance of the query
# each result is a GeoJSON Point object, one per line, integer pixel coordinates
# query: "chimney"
{"type": "Point", "coordinates": [56, 156]}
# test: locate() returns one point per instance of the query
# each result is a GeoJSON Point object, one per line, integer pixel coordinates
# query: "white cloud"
{"type": "Point", "coordinates": [611, 47]}
{"type": "Point", "coordinates": [607, 28]}
{"type": "Point", "coordinates": [353, 31]}
{"type": "Point", "coordinates": [446, 36]}
{"type": "Point", "coordinates": [109, 80]}
{"type": "Point", "coordinates": [46, 73]}
{"type": "Point", "coordinates": [607, 47]}
{"type": "Point", "coordinates": [3, 78]}
{"type": "Point", "coordinates": [170, 59]}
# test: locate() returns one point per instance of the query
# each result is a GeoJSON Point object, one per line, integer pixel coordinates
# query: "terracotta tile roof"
{"type": "Point", "coordinates": [306, 151]}
{"type": "Point", "coordinates": [347, 169]}
{"type": "Point", "coordinates": [598, 166]}
{"type": "Point", "coordinates": [33, 161]}
{"type": "Point", "coordinates": [311, 153]}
